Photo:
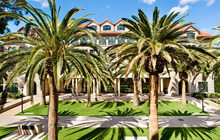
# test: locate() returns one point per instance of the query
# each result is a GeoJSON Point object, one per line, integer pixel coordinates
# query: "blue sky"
{"type": "Point", "coordinates": [205, 13]}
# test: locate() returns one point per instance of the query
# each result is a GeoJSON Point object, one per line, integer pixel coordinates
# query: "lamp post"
{"type": "Point", "coordinates": [202, 100]}
{"type": "Point", "coordinates": [22, 100]}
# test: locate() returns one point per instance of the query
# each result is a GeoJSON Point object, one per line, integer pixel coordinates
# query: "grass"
{"type": "Point", "coordinates": [187, 133]}
{"type": "Point", "coordinates": [4, 131]}
{"type": "Point", "coordinates": [167, 108]}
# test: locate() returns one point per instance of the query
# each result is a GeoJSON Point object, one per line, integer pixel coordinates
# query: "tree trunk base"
{"type": "Point", "coordinates": [88, 105]}
{"type": "Point", "coordinates": [135, 106]}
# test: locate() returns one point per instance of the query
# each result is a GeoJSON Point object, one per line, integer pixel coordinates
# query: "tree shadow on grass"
{"type": "Point", "coordinates": [107, 105]}
{"type": "Point", "coordinates": [118, 125]}
{"type": "Point", "coordinates": [124, 112]}
{"type": "Point", "coordinates": [179, 113]}
{"type": "Point", "coordinates": [67, 113]}
{"type": "Point", "coordinates": [100, 133]}
{"type": "Point", "coordinates": [66, 103]}
{"type": "Point", "coordinates": [162, 103]}
{"type": "Point", "coordinates": [174, 113]}
{"type": "Point", "coordinates": [186, 133]}
{"type": "Point", "coordinates": [142, 103]}
{"type": "Point", "coordinates": [6, 130]}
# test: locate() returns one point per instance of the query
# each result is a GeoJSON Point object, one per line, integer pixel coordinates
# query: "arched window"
{"type": "Point", "coordinates": [190, 35]}
{"type": "Point", "coordinates": [94, 27]}
{"type": "Point", "coordinates": [106, 28]}
{"type": "Point", "coordinates": [120, 28]}
{"type": "Point", "coordinates": [10, 49]}
{"type": "Point", "coordinates": [14, 48]}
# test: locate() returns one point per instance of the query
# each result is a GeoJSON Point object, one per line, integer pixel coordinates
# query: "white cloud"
{"type": "Point", "coordinates": [183, 2]}
{"type": "Point", "coordinates": [107, 6]}
{"type": "Point", "coordinates": [210, 2]}
{"type": "Point", "coordinates": [148, 1]}
{"type": "Point", "coordinates": [43, 3]}
{"type": "Point", "coordinates": [182, 10]}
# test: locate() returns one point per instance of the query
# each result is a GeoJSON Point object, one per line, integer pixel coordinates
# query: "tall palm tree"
{"type": "Point", "coordinates": [51, 49]}
{"type": "Point", "coordinates": [158, 47]}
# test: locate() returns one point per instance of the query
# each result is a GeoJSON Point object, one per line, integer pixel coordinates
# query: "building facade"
{"type": "Point", "coordinates": [168, 84]}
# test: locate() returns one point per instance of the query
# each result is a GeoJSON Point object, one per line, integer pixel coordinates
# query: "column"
{"type": "Point", "coordinates": [73, 87]}
{"type": "Point", "coordinates": [77, 91]}
{"type": "Point", "coordinates": [161, 85]}
{"type": "Point", "coordinates": [119, 87]}
{"type": "Point", "coordinates": [97, 87]}
{"type": "Point", "coordinates": [93, 88]}
{"type": "Point", "coordinates": [140, 86]}
{"type": "Point", "coordinates": [115, 87]}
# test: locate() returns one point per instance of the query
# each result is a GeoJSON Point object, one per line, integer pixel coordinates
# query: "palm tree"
{"type": "Point", "coordinates": [185, 68]}
{"type": "Point", "coordinates": [98, 72]}
{"type": "Point", "coordinates": [158, 47]}
{"type": "Point", "coordinates": [51, 49]}
{"type": "Point", "coordinates": [120, 68]}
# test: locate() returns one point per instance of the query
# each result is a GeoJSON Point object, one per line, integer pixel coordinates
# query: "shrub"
{"type": "Point", "coordinates": [15, 96]}
{"type": "Point", "coordinates": [213, 100]}
{"type": "Point", "coordinates": [214, 95]}
{"type": "Point", "coordinates": [198, 95]}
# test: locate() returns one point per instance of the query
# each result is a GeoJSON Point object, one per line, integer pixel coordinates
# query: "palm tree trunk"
{"type": "Point", "coordinates": [53, 110]}
{"type": "Point", "coordinates": [184, 93]}
{"type": "Point", "coordinates": [135, 82]}
{"type": "Point", "coordinates": [43, 100]}
{"type": "Point", "coordinates": [89, 104]}
{"type": "Point", "coordinates": [153, 101]}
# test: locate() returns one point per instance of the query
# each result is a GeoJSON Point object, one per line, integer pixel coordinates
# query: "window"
{"type": "Point", "coordinates": [74, 41]}
{"type": "Point", "coordinates": [101, 42]}
{"type": "Point", "coordinates": [190, 35]}
{"type": "Point", "coordinates": [93, 52]}
{"type": "Point", "coordinates": [95, 39]}
{"type": "Point", "coordinates": [10, 49]}
{"type": "Point", "coordinates": [94, 27]}
{"type": "Point", "coordinates": [130, 40]}
{"type": "Point", "coordinates": [83, 39]}
{"type": "Point", "coordinates": [111, 40]}
{"type": "Point", "coordinates": [106, 28]}
{"type": "Point", "coordinates": [120, 28]}
{"type": "Point", "coordinates": [201, 85]}
{"type": "Point", "coordinates": [121, 40]}
{"type": "Point", "coordinates": [14, 88]}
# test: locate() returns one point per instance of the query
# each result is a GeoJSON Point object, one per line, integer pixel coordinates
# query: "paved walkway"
{"type": "Point", "coordinates": [116, 121]}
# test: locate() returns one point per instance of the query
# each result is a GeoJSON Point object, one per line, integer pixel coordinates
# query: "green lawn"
{"type": "Point", "coordinates": [4, 131]}
{"type": "Point", "coordinates": [167, 108]}
{"type": "Point", "coordinates": [186, 133]}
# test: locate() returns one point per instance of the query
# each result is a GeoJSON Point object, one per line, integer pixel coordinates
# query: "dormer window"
{"type": "Point", "coordinates": [120, 28]}
{"type": "Point", "coordinates": [94, 28]}
{"type": "Point", "coordinates": [190, 36]}
{"type": "Point", "coordinates": [106, 28]}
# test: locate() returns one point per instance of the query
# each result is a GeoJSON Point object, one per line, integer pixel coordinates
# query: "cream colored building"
{"type": "Point", "coordinates": [167, 84]}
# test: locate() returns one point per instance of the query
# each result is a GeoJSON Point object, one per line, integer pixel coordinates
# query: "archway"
{"type": "Point", "coordinates": [35, 89]}
{"type": "Point", "coordinates": [180, 87]}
